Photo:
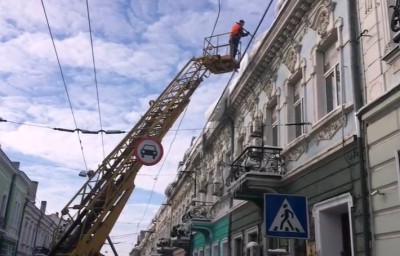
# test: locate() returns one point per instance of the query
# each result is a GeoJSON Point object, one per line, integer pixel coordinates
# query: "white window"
{"type": "Point", "coordinates": [201, 252]}
{"type": "Point", "coordinates": [327, 75]}
{"type": "Point", "coordinates": [295, 109]}
{"type": "Point", "coordinates": [195, 253]}
{"type": "Point", "coordinates": [272, 125]}
{"type": "Point", "coordinates": [332, 87]}
{"type": "Point", "coordinates": [207, 251]}
{"type": "Point", "coordinates": [224, 247]}
{"type": "Point", "coordinates": [215, 249]}
{"type": "Point", "coordinates": [237, 245]}
{"type": "Point", "coordinates": [251, 235]}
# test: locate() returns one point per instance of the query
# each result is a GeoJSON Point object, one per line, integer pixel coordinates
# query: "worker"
{"type": "Point", "coordinates": [237, 32]}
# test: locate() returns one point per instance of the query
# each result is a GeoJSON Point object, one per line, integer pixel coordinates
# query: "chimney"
{"type": "Point", "coordinates": [43, 206]}
{"type": "Point", "coordinates": [32, 191]}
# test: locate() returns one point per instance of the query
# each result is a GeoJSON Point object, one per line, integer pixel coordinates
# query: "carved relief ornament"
{"type": "Point", "coordinates": [330, 130]}
{"type": "Point", "coordinates": [296, 152]}
{"type": "Point", "coordinates": [322, 17]}
{"type": "Point", "coordinates": [292, 58]}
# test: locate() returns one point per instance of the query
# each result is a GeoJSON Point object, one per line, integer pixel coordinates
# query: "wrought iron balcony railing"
{"type": "Point", "coordinates": [164, 242]}
{"type": "Point", "coordinates": [179, 231]}
{"type": "Point", "coordinates": [395, 21]}
{"type": "Point", "coordinates": [202, 211]}
{"type": "Point", "coordinates": [263, 160]}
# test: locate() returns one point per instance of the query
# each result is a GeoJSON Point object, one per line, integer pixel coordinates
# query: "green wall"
{"type": "Point", "coordinates": [219, 229]}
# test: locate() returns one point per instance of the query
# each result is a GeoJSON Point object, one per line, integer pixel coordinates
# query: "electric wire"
{"type": "Point", "coordinates": [64, 83]}
{"type": "Point", "coordinates": [233, 73]}
{"type": "Point", "coordinates": [83, 131]}
{"type": "Point", "coordinates": [159, 170]}
{"type": "Point", "coordinates": [216, 21]}
{"type": "Point", "coordinates": [95, 76]}
{"type": "Point", "coordinates": [258, 26]}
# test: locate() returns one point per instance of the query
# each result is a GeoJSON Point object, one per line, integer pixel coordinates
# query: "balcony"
{"type": "Point", "coordinates": [256, 171]}
{"type": "Point", "coordinates": [164, 247]}
{"type": "Point", "coordinates": [180, 237]}
{"type": "Point", "coordinates": [198, 218]}
{"type": "Point", "coordinates": [395, 21]}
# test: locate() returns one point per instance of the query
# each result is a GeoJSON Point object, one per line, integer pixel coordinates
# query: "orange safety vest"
{"type": "Point", "coordinates": [235, 30]}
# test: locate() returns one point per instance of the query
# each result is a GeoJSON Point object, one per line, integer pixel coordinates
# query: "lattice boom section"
{"type": "Point", "coordinates": [94, 209]}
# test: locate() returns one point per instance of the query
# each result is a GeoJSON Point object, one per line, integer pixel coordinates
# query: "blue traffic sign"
{"type": "Point", "coordinates": [285, 216]}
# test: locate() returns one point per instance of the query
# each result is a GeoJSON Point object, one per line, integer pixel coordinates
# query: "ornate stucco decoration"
{"type": "Point", "coordinates": [330, 130]}
{"type": "Point", "coordinates": [322, 17]}
{"type": "Point", "coordinates": [295, 153]}
{"type": "Point", "coordinates": [225, 136]}
{"type": "Point", "coordinates": [292, 57]}
{"type": "Point", "coordinates": [198, 212]}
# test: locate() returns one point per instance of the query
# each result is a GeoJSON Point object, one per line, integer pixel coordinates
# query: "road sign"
{"type": "Point", "coordinates": [285, 216]}
{"type": "Point", "coordinates": [148, 151]}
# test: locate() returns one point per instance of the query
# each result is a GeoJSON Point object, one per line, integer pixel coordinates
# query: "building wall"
{"type": "Point", "coordinates": [381, 64]}
{"type": "Point", "coordinates": [381, 122]}
{"type": "Point", "coordinates": [220, 231]}
{"type": "Point", "coordinates": [14, 188]}
{"type": "Point", "coordinates": [331, 177]}
{"type": "Point", "coordinates": [382, 140]}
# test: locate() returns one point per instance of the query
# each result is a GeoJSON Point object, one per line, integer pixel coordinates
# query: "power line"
{"type": "Point", "coordinates": [84, 131]}
{"type": "Point", "coordinates": [95, 77]}
{"type": "Point", "coordinates": [159, 170]}
{"type": "Point", "coordinates": [65, 84]}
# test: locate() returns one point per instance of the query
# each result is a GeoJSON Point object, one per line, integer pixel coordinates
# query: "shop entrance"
{"type": "Point", "coordinates": [333, 232]}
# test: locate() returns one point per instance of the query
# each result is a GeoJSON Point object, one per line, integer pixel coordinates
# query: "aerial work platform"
{"type": "Point", "coordinates": [217, 56]}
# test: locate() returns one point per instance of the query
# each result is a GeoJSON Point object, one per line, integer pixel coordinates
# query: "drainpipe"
{"type": "Point", "coordinates": [232, 124]}
{"type": "Point", "coordinates": [42, 212]}
{"type": "Point", "coordinates": [358, 101]}
{"type": "Point", "coordinates": [36, 233]}
{"type": "Point", "coordinates": [20, 226]}
{"type": "Point", "coordinates": [9, 199]}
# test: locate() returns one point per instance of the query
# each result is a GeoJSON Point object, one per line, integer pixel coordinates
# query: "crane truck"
{"type": "Point", "coordinates": [90, 215]}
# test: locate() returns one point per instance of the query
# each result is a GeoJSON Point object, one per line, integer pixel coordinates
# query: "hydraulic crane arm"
{"type": "Point", "coordinates": [91, 214]}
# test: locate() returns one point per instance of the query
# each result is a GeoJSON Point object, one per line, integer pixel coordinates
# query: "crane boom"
{"type": "Point", "coordinates": [89, 216]}
{"type": "Point", "coordinates": [93, 211]}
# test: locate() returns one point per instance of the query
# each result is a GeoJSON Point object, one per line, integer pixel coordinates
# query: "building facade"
{"type": "Point", "coordinates": [25, 229]}
{"type": "Point", "coordinates": [379, 120]}
{"type": "Point", "coordinates": [14, 185]}
{"type": "Point", "coordinates": [286, 125]}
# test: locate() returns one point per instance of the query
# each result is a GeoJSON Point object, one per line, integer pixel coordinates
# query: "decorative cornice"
{"type": "Point", "coordinates": [279, 35]}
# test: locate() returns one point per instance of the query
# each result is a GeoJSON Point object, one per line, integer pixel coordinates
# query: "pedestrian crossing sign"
{"type": "Point", "coordinates": [285, 216]}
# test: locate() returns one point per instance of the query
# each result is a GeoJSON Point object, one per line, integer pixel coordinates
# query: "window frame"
{"type": "Point", "coordinates": [221, 248]}
{"type": "Point", "coordinates": [233, 247]}
{"type": "Point", "coordinates": [333, 37]}
{"type": "Point", "coordinates": [271, 130]}
{"type": "Point", "coordinates": [295, 98]}
{"type": "Point", "coordinates": [214, 246]}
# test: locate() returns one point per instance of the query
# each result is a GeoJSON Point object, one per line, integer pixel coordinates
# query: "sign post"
{"type": "Point", "coordinates": [148, 151]}
{"type": "Point", "coordinates": [286, 216]}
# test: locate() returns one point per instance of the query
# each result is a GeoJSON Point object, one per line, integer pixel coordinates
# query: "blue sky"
{"type": "Point", "coordinates": [139, 46]}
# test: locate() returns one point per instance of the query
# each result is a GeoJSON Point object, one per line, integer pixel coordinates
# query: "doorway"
{"type": "Point", "coordinates": [333, 227]}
